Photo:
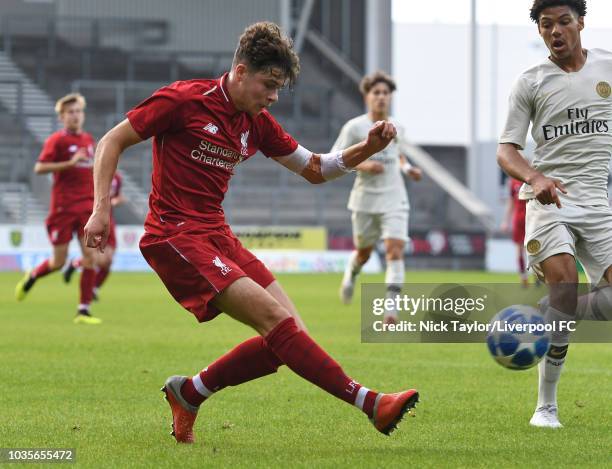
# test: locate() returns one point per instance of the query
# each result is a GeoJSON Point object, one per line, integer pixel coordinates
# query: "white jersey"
{"type": "Point", "coordinates": [572, 125]}
{"type": "Point", "coordinates": [376, 193]}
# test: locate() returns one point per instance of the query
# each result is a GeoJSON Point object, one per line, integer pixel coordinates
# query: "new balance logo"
{"type": "Point", "coordinates": [219, 263]}
{"type": "Point", "coordinates": [211, 128]}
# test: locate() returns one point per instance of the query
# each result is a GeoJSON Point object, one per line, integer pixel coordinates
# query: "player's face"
{"type": "Point", "coordinates": [259, 90]}
{"type": "Point", "coordinates": [560, 28]}
{"type": "Point", "coordinates": [73, 116]}
{"type": "Point", "coordinates": [378, 98]}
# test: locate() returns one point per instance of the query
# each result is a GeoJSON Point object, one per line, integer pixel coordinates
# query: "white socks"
{"type": "Point", "coordinates": [394, 278]}
{"type": "Point", "coordinates": [549, 369]}
{"type": "Point", "coordinates": [352, 269]}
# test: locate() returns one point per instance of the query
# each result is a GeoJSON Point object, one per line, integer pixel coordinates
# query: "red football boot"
{"type": "Point", "coordinates": [389, 409]}
{"type": "Point", "coordinates": [183, 413]}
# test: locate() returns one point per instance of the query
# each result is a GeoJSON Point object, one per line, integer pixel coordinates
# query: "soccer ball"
{"type": "Point", "coordinates": [518, 337]}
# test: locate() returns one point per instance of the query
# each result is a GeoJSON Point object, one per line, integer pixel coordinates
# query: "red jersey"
{"type": "Point", "coordinates": [519, 207]}
{"type": "Point", "coordinates": [199, 137]}
{"type": "Point", "coordinates": [115, 189]}
{"type": "Point", "coordinates": [73, 188]}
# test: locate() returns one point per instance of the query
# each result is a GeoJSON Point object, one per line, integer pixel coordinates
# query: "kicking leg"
{"type": "Point", "coordinates": [247, 302]}
{"type": "Point", "coordinates": [281, 341]}
{"type": "Point", "coordinates": [250, 360]}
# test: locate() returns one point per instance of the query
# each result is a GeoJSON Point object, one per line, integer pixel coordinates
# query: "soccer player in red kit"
{"type": "Point", "coordinates": [515, 220]}
{"type": "Point", "coordinates": [104, 260]}
{"type": "Point", "coordinates": [69, 155]}
{"type": "Point", "coordinates": [202, 129]}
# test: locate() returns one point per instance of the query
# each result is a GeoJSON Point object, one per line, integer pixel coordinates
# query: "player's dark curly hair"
{"type": "Point", "coordinates": [369, 81]}
{"type": "Point", "coordinates": [263, 47]}
{"type": "Point", "coordinates": [579, 6]}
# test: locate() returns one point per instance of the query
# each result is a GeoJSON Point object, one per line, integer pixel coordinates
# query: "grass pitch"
{"type": "Point", "coordinates": [96, 389]}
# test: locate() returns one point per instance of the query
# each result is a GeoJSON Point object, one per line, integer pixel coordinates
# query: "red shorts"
{"type": "Point", "coordinates": [518, 230]}
{"type": "Point", "coordinates": [112, 236]}
{"type": "Point", "coordinates": [61, 226]}
{"type": "Point", "coordinates": [196, 265]}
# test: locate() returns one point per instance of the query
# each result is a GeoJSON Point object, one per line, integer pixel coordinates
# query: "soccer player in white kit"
{"type": "Point", "coordinates": [378, 201]}
{"type": "Point", "coordinates": [567, 98]}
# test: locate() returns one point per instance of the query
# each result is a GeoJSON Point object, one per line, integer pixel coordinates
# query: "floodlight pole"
{"type": "Point", "coordinates": [379, 34]}
{"type": "Point", "coordinates": [472, 160]}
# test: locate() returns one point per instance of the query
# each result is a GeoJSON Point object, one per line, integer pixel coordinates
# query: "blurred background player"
{"type": "Point", "coordinates": [68, 154]}
{"type": "Point", "coordinates": [567, 99]}
{"type": "Point", "coordinates": [378, 200]}
{"type": "Point", "coordinates": [514, 220]}
{"type": "Point", "coordinates": [103, 260]}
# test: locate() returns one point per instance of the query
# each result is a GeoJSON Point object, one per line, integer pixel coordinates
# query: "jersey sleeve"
{"type": "Point", "coordinates": [274, 141]}
{"type": "Point", "coordinates": [346, 138]}
{"type": "Point", "coordinates": [158, 114]}
{"type": "Point", "coordinates": [48, 153]}
{"type": "Point", "coordinates": [520, 110]}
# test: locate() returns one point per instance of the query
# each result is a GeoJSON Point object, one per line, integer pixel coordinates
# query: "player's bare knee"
{"type": "Point", "coordinates": [564, 297]}
{"type": "Point", "coordinates": [270, 317]}
{"type": "Point", "coordinates": [394, 254]}
{"type": "Point", "coordinates": [88, 259]}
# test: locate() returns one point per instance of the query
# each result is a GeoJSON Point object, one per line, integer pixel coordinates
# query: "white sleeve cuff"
{"type": "Point", "coordinates": [332, 166]}
{"type": "Point", "coordinates": [297, 160]}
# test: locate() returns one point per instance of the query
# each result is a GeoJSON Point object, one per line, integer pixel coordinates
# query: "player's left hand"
{"type": "Point", "coordinates": [380, 135]}
{"type": "Point", "coordinates": [415, 173]}
{"type": "Point", "coordinates": [96, 231]}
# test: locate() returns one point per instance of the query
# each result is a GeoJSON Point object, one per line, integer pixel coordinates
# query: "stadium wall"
{"type": "Point", "coordinates": [193, 25]}
{"type": "Point", "coordinates": [283, 250]}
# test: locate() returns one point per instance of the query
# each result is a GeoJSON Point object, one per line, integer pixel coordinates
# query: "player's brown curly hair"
{"type": "Point", "coordinates": [263, 47]}
{"type": "Point", "coordinates": [579, 6]}
{"type": "Point", "coordinates": [369, 81]}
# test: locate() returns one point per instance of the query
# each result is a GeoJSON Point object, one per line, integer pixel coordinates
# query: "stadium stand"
{"type": "Point", "coordinates": [116, 63]}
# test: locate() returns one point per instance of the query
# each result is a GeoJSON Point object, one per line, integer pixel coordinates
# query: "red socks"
{"type": "Point", "coordinates": [247, 361]}
{"type": "Point", "coordinates": [521, 263]}
{"type": "Point", "coordinates": [302, 354]}
{"type": "Point", "coordinates": [259, 357]}
{"type": "Point", "coordinates": [42, 269]}
{"type": "Point", "coordinates": [88, 280]}
{"type": "Point", "coordinates": [101, 277]}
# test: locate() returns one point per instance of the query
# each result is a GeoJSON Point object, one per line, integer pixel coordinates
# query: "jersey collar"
{"type": "Point", "coordinates": [231, 107]}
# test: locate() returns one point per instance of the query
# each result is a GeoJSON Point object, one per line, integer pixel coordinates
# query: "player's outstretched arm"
{"type": "Point", "coordinates": [512, 162]}
{"type": "Point", "coordinates": [318, 168]}
{"type": "Point", "coordinates": [108, 151]}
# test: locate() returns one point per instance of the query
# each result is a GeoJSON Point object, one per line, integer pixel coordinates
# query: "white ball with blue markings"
{"type": "Point", "coordinates": [518, 337]}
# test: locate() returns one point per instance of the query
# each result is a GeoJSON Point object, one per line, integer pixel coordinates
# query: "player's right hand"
{"type": "Point", "coordinates": [96, 231]}
{"type": "Point", "coordinates": [545, 190]}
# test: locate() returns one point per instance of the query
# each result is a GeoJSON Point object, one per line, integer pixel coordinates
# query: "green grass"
{"type": "Point", "coordinates": [96, 388]}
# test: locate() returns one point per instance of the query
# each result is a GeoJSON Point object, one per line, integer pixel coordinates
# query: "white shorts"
{"type": "Point", "coordinates": [583, 232]}
{"type": "Point", "coordinates": [370, 227]}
